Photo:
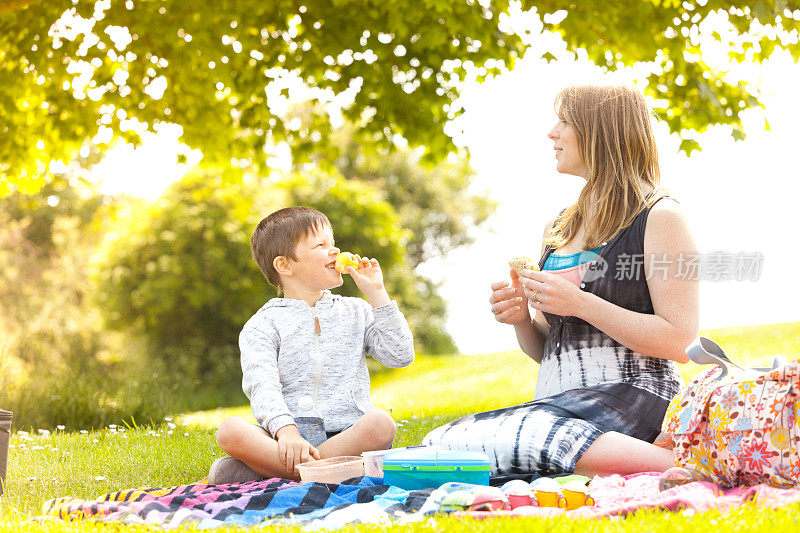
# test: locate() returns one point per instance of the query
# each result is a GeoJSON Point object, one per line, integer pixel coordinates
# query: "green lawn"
{"type": "Point", "coordinates": [430, 392]}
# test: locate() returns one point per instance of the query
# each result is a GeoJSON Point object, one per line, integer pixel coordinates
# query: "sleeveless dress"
{"type": "Point", "coordinates": [588, 384]}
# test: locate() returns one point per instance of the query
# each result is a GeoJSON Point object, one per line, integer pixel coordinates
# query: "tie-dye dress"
{"type": "Point", "coordinates": [588, 384]}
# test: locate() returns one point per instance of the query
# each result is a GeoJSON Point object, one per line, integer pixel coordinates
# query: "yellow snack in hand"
{"type": "Point", "coordinates": [522, 263]}
{"type": "Point", "coordinates": [344, 260]}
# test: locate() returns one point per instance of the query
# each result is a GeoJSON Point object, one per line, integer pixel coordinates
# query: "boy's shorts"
{"type": "Point", "coordinates": [328, 434]}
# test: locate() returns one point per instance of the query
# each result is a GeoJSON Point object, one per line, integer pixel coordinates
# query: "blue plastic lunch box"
{"type": "Point", "coordinates": [415, 469]}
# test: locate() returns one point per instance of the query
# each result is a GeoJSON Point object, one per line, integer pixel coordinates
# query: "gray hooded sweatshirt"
{"type": "Point", "coordinates": [285, 357]}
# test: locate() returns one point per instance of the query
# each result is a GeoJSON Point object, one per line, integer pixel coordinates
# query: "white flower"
{"type": "Point", "coordinates": [84, 432]}
{"type": "Point", "coordinates": [60, 427]}
{"type": "Point", "coordinates": [168, 418]}
{"type": "Point", "coordinates": [112, 426]}
{"type": "Point", "coordinates": [171, 425]}
{"type": "Point", "coordinates": [99, 478]}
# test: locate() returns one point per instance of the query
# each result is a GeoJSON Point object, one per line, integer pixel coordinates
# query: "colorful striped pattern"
{"type": "Point", "coordinates": [269, 502]}
{"type": "Point", "coordinates": [317, 505]}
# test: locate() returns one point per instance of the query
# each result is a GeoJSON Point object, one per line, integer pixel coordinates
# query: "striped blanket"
{"type": "Point", "coordinates": [269, 502]}
{"type": "Point", "coordinates": [365, 500]}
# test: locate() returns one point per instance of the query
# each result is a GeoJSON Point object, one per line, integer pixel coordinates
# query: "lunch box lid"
{"type": "Point", "coordinates": [435, 460]}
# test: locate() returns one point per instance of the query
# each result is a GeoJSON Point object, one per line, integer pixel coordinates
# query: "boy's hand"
{"type": "Point", "coordinates": [369, 280]}
{"type": "Point", "coordinates": [293, 449]}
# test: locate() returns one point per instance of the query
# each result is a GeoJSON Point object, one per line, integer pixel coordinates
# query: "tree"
{"type": "Point", "coordinates": [57, 363]}
{"type": "Point", "coordinates": [179, 269]}
{"type": "Point", "coordinates": [107, 69]}
{"type": "Point", "coordinates": [366, 223]}
{"type": "Point", "coordinates": [434, 202]}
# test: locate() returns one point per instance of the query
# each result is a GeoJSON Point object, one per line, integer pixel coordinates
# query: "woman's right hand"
{"type": "Point", "coordinates": [509, 304]}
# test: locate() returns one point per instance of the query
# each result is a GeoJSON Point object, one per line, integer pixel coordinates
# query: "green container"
{"type": "Point", "coordinates": [416, 469]}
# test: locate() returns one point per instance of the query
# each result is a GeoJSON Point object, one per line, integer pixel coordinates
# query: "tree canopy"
{"type": "Point", "coordinates": [179, 269]}
{"type": "Point", "coordinates": [81, 71]}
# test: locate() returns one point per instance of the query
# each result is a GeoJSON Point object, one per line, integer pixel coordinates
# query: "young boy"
{"type": "Point", "coordinates": [310, 343]}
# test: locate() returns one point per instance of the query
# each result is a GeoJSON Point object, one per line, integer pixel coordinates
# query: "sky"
{"type": "Point", "coordinates": [737, 196]}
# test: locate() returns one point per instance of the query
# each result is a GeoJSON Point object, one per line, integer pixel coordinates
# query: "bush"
{"type": "Point", "coordinates": [57, 365]}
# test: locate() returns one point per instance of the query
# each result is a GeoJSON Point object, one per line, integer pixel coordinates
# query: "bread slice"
{"type": "Point", "coordinates": [522, 263]}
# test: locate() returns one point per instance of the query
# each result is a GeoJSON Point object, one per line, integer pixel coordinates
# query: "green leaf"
{"type": "Point", "coordinates": [688, 146]}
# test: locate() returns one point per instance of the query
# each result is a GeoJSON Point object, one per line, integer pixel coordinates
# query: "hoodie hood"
{"type": "Point", "coordinates": [327, 301]}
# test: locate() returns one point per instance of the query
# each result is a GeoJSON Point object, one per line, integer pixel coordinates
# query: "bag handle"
{"type": "Point", "coordinates": [704, 351]}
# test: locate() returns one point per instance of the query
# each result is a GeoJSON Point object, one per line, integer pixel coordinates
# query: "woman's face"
{"type": "Point", "coordinates": [568, 155]}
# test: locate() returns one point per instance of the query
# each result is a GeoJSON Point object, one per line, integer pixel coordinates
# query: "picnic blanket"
{"type": "Point", "coordinates": [621, 495]}
{"type": "Point", "coordinates": [269, 502]}
{"type": "Point", "coordinates": [366, 500]}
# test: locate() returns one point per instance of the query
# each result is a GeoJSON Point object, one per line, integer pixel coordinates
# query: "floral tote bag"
{"type": "Point", "coordinates": [738, 427]}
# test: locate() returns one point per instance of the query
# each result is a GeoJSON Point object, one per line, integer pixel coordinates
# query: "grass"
{"type": "Point", "coordinates": [434, 390]}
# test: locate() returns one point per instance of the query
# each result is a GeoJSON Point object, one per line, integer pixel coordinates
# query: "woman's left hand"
{"type": "Point", "coordinates": [552, 294]}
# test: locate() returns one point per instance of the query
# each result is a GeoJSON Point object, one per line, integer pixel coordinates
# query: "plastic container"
{"type": "Point", "coordinates": [373, 460]}
{"type": "Point", "coordinates": [547, 493]}
{"type": "Point", "coordinates": [576, 495]}
{"type": "Point", "coordinates": [415, 469]}
{"type": "Point", "coordinates": [309, 422]}
{"type": "Point", "coordinates": [332, 470]}
{"type": "Point", "coordinates": [518, 493]}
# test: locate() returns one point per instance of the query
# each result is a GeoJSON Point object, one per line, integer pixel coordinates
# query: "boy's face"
{"type": "Point", "coordinates": [316, 256]}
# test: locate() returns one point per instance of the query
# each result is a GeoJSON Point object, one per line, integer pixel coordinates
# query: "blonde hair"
{"type": "Point", "coordinates": [618, 148]}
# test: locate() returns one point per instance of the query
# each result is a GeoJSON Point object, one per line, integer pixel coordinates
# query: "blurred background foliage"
{"type": "Point", "coordinates": [115, 308]}
{"type": "Point", "coordinates": [58, 365]}
{"type": "Point", "coordinates": [121, 308]}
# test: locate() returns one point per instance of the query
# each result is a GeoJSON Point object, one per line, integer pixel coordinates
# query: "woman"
{"type": "Point", "coordinates": [614, 308]}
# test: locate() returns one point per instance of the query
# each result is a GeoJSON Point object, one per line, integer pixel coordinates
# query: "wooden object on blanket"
{"type": "Point", "coordinates": [5, 434]}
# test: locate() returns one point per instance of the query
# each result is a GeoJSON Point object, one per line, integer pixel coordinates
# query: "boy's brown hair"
{"type": "Point", "coordinates": [279, 233]}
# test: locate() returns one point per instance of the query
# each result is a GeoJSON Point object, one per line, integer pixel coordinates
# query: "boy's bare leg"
{"type": "Point", "coordinates": [616, 453]}
{"type": "Point", "coordinates": [375, 430]}
{"type": "Point", "coordinates": [253, 446]}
